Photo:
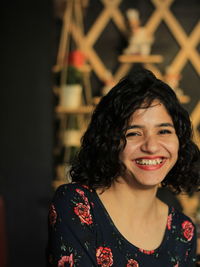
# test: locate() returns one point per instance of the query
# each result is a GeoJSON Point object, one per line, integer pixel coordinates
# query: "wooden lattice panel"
{"type": "Point", "coordinates": [111, 11]}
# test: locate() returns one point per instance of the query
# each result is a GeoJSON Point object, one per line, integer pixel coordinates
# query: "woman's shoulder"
{"type": "Point", "coordinates": [70, 190]}
{"type": "Point", "coordinates": [179, 215]}
{"type": "Point", "coordinates": [178, 222]}
{"type": "Point", "coordinates": [71, 205]}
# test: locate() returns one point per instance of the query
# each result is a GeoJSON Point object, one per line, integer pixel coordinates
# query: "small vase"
{"type": "Point", "coordinates": [72, 137]}
{"type": "Point", "coordinates": [70, 95]}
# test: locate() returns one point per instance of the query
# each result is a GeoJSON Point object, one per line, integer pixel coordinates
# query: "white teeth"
{"type": "Point", "coordinates": [149, 161]}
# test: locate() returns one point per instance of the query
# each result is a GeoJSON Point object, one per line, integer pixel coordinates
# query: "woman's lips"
{"type": "Point", "coordinates": [150, 164]}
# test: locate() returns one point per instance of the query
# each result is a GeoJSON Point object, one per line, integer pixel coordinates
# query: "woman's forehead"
{"type": "Point", "coordinates": [154, 112]}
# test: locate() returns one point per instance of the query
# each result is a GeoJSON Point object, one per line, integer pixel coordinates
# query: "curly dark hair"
{"type": "Point", "coordinates": [97, 164]}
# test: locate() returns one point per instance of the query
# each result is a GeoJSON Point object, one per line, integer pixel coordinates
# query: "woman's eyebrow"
{"type": "Point", "coordinates": [163, 124]}
{"type": "Point", "coordinates": [135, 126]}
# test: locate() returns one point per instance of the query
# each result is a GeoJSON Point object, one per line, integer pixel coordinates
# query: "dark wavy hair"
{"type": "Point", "coordinates": [97, 164]}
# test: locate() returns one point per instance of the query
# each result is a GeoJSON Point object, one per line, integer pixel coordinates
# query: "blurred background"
{"type": "Point", "coordinates": [58, 58]}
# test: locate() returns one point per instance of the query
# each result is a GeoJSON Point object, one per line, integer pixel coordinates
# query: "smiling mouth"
{"type": "Point", "coordinates": [149, 162]}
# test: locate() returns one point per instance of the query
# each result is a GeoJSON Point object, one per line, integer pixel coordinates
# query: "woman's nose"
{"type": "Point", "coordinates": [150, 145]}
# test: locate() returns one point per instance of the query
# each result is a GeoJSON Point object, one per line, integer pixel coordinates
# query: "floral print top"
{"type": "Point", "coordinates": [81, 233]}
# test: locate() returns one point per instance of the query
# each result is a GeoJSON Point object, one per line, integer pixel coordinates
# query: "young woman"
{"type": "Point", "coordinates": [139, 139]}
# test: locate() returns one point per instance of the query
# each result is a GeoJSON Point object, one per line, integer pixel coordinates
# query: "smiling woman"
{"type": "Point", "coordinates": [139, 137]}
{"type": "Point", "coordinates": [152, 145]}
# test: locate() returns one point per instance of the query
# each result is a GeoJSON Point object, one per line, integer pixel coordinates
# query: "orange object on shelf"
{"type": "Point", "coordinates": [76, 58]}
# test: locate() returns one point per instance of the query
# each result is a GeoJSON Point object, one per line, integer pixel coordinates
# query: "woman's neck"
{"type": "Point", "coordinates": [138, 215]}
{"type": "Point", "coordinates": [130, 201]}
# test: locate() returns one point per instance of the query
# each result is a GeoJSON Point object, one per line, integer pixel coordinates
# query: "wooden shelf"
{"type": "Point", "coordinates": [184, 99]}
{"type": "Point", "coordinates": [140, 58]}
{"type": "Point", "coordinates": [78, 110]}
{"type": "Point", "coordinates": [85, 68]}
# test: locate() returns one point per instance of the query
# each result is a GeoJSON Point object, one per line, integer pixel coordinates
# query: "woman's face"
{"type": "Point", "coordinates": [152, 146]}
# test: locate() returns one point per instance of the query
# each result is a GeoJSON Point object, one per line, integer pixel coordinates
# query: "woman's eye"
{"type": "Point", "coordinates": [165, 131]}
{"type": "Point", "coordinates": [133, 134]}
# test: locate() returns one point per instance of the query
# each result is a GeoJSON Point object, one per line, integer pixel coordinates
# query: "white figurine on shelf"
{"type": "Point", "coordinates": [140, 40]}
{"type": "Point", "coordinates": [173, 78]}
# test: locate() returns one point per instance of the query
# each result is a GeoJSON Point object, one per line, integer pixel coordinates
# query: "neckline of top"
{"type": "Point", "coordinates": [112, 224]}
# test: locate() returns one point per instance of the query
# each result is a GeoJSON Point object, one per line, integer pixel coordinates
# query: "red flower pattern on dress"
{"type": "Point", "coordinates": [169, 221]}
{"type": "Point", "coordinates": [83, 212]}
{"type": "Point", "coordinates": [132, 263]}
{"type": "Point", "coordinates": [148, 252]}
{"type": "Point", "coordinates": [104, 256]}
{"type": "Point", "coordinates": [82, 194]}
{"type": "Point", "coordinates": [52, 215]}
{"type": "Point", "coordinates": [87, 187]}
{"type": "Point", "coordinates": [188, 230]}
{"type": "Point", "coordinates": [66, 259]}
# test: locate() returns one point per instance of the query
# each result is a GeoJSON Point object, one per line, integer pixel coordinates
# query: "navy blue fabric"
{"type": "Point", "coordinates": [83, 234]}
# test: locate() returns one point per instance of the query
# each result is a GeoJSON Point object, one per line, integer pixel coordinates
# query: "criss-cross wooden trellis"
{"type": "Point", "coordinates": [111, 11]}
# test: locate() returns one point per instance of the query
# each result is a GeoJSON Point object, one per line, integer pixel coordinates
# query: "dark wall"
{"type": "Point", "coordinates": [26, 127]}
